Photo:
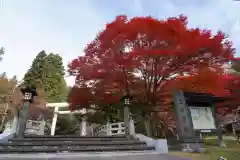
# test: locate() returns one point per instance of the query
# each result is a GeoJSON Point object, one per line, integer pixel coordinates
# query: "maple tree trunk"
{"type": "Point", "coordinates": [153, 124]}
{"type": "Point", "coordinates": [164, 130]}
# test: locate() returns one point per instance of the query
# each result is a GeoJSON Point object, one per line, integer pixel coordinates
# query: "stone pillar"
{"type": "Point", "coordinates": [23, 119]}
{"type": "Point", "coordinates": [186, 130]}
{"type": "Point", "coordinates": [108, 127]}
{"type": "Point", "coordinates": [185, 126]}
{"type": "Point", "coordinates": [54, 121]}
{"type": "Point", "coordinates": [131, 126]}
{"type": "Point", "coordinates": [83, 126]}
{"type": "Point", "coordinates": [126, 120]}
{"type": "Point", "coordinates": [15, 121]}
{"type": "Point", "coordinates": [200, 134]}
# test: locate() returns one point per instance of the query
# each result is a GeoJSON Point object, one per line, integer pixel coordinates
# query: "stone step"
{"type": "Point", "coordinates": [71, 139]}
{"type": "Point", "coordinates": [72, 136]}
{"type": "Point", "coordinates": [76, 149]}
{"type": "Point", "coordinates": [120, 155]}
{"type": "Point", "coordinates": [82, 143]}
{"type": "Point", "coordinates": [68, 146]}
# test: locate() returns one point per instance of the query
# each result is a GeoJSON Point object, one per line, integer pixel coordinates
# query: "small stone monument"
{"type": "Point", "coordinates": [195, 113]}
{"type": "Point", "coordinates": [36, 123]}
{"type": "Point", "coordinates": [35, 126]}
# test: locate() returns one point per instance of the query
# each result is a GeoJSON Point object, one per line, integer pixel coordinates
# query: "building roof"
{"type": "Point", "coordinates": [195, 98]}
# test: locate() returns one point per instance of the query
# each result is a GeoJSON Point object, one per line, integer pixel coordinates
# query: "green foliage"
{"type": "Point", "coordinates": [97, 117]}
{"type": "Point", "coordinates": [113, 112]}
{"type": "Point", "coordinates": [105, 112]}
{"type": "Point", "coordinates": [35, 75]}
{"type": "Point", "coordinates": [66, 125]}
{"type": "Point", "coordinates": [47, 73]}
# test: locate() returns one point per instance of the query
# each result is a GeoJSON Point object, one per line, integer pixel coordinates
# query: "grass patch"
{"type": "Point", "coordinates": [232, 152]}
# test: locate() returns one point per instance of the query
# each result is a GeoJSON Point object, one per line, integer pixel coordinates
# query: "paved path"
{"type": "Point", "coordinates": [224, 137]}
{"type": "Point", "coordinates": [90, 156]}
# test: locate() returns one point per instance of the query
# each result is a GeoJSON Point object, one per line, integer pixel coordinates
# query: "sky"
{"type": "Point", "coordinates": [65, 27]}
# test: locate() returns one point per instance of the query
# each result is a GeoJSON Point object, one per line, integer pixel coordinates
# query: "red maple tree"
{"type": "Point", "coordinates": [232, 85]}
{"type": "Point", "coordinates": [145, 54]}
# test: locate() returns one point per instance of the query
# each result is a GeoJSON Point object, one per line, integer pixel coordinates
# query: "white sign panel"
{"type": "Point", "coordinates": [202, 118]}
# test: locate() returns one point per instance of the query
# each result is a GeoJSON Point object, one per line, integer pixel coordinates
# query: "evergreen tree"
{"type": "Point", "coordinates": [47, 73]}
{"type": "Point", "coordinates": [35, 75]}
{"type": "Point", "coordinates": [56, 85]}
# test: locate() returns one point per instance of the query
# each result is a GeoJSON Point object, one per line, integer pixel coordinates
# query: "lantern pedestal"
{"type": "Point", "coordinates": [23, 119]}
{"type": "Point", "coordinates": [126, 99]}
{"type": "Point", "coordinates": [126, 120]}
{"type": "Point", "coordinates": [28, 93]}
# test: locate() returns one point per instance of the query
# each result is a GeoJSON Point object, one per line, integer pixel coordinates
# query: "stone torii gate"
{"type": "Point", "coordinates": [118, 128]}
{"type": "Point", "coordinates": [56, 112]}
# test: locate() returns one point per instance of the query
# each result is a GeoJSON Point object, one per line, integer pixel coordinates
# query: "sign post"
{"type": "Point", "coordinates": [195, 113]}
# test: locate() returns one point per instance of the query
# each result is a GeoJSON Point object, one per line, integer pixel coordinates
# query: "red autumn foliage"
{"type": "Point", "coordinates": [80, 97]}
{"type": "Point", "coordinates": [209, 81]}
{"type": "Point", "coordinates": [232, 84]}
{"type": "Point", "coordinates": [146, 55]}
{"type": "Point", "coordinates": [206, 80]}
